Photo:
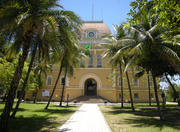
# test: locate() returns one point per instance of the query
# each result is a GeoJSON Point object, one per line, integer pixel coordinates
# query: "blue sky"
{"type": "Point", "coordinates": [110, 11]}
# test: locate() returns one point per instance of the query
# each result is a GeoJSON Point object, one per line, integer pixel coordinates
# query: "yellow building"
{"type": "Point", "coordinates": [95, 76]}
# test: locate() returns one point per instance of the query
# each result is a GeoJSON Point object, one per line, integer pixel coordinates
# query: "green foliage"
{"type": "Point", "coordinates": [170, 94]}
{"type": "Point", "coordinates": [149, 50]}
{"type": "Point", "coordinates": [7, 69]}
{"type": "Point", "coordinates": [6, 73]}
{"type": "Point", "coordinates": [168, 12]}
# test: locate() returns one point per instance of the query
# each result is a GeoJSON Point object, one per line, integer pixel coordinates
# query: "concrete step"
{"type": "Point", "coordinates": [89, 99]}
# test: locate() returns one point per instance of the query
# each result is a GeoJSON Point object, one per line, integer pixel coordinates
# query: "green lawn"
{"type": "Point", "coordinates": [33, 117]}
{"type": "Point", "coordinates": [145, 119]}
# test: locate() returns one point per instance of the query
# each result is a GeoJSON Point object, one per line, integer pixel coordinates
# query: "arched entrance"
{"type": "Point", "coordinates": [90, 87]}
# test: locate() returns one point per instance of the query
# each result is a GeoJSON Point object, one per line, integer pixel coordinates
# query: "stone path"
{"type": "Point", "coordinates": [87, 119]}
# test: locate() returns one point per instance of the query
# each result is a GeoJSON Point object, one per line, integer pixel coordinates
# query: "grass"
{"type": "Point", "coordinates": [144, 119]}
{"type": "Point", "coordinates": [33, 117]}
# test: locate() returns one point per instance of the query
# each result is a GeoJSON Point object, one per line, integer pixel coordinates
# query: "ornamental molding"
{"type": "Point", "coordinates": [88, 76]}
{"type": "Point", "coordinates": [92, 42]}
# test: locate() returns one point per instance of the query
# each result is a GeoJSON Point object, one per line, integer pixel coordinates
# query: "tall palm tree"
{"type": "Point", "coordinates": [63, 88]}
{"type": "Point", "coordinates": [25, 82]}
{"type": "Point", "coordinates": [23, 21]}
{"type": "Point", "coordinates": [172, 86]}
{"type": "Point", "coordinates": [68, 41]}
{"type": "Point", "coordinates": [40, 68]}
{"type": "Point", "coordinates": [129, 86]}
{"type": "Point", "coordinates": [71, 59]}
{"type": "Point", "coordinates": [149, 51]}
{"type": "Point", "coordinates": [139, 74]}
{"type": "Point", "coordinates": [113, 51]}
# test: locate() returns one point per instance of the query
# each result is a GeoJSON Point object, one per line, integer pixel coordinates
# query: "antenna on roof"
{"type": "Point", "coordinates": [102, 15]}
{"type": "Point", "coordinates": [93, 11]}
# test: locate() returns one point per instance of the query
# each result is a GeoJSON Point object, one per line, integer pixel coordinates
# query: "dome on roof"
{"type": "Point", "coordinates": [95, 25]}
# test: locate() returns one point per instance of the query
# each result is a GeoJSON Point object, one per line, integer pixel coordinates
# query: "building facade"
{"type": "Point", "coordinates": [95, 76]}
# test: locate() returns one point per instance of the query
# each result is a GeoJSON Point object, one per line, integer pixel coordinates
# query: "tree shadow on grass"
{"type": "Point", "coordinates": [30, 124]}
{"type": "Point", "coordinates": [149, 116]}
{"type": "Point", "coordinates": [151, 122]}
{"type": "Point", "coordinates": [63, 106]}
{"type": "Point", "coordinates": [137, 112]}
{"type": "Point", "coordinates": [57, 111]}
{"type": "Point", "coordinates": [19, 109]}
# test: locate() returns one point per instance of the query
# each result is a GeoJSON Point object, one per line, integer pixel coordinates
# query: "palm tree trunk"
{"type": "Point", "coordinates": [62, 95]}
{"type": "Point", "coordinates": [25, 82]}
{"type": "Point", "coordinates": [37, 89]}
{"type": "Point", "coordinates": [12, 91]}
{"type": "Point", "coordinates": [156, 95]}
{"type": "Point", "coordinates": [39, 77]}
{"type": "Point", "coordinates": [59, 74]}
{"type": "Point", "coordinates": [149, 89]}
{"type": "Point", "coordinates": [130, 93]}
{"type": "Point", "coordinates": [122, 98]}
{"type": "Point", "coordinates": [35, 98]}
{"type": "Point", "coordinates": [174, 90]}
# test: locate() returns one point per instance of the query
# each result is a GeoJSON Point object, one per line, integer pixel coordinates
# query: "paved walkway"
{"type": "Point", "coordinates": [87, 119]}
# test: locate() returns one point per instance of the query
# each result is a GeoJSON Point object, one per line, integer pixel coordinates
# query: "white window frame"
{"type": "Point", "coordinates": [134, 83]}
{"type": "Point", "coordinates": [91, 59]}
{"type": "Point", "coordinates": [47, 80]}
{"type": "Point", "coordinates": [150, 81]}
{"type": "Point", "coordinates": [66, 80]}
{"type": "Point", "coordinates": [119, 84]}
{"type": "Point", "coordinates": [82, 63]}
{"type": "Point", "coordinates": [47, 90]}
{"type": "Point", "coordinates": [99, 61]}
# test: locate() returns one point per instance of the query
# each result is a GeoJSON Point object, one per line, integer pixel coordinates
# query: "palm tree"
{"type": "Point", "coordinates": [23, 23]}
{"type": "Point", "coordinates": [63, 88]}
{"type": "Point", "coordinates": [40, 68]}
{"type": "Point", "coordinates": [110, 52]}
{"type": "Point", "coordinates": [111, 49]}
{"type": "Point", "coordinates": [71, 59]}
{"type": "Point", "coordinates": [25, 82]}
{"type": "Point", "coordinates": [129, 86]}
{"type": "Point", "coordinates": [172, 86]}
{"type": "Point", "coordinates": [68, 40]}
{"type": "Point", "coordinates": [50, 98]}
{"type": "Point", "coordinates": [114, 51]}
{"type": "Point", "coordinates": [149, 51]}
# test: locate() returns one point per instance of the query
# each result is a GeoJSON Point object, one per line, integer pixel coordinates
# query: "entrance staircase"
{"type": "Point", "coordinates": [89, 99]}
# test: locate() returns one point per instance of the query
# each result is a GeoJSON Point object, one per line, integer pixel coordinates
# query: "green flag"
{"type": "Point", "coordinates": [87, 46]}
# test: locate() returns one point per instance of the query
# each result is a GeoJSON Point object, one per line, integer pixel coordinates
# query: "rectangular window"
{"type": "Point", "coordinates": [90, 64]}
{"type": "Point", "coordinates": [45, 93]}
{"type": "Point", "coordinates": [136, 95]}
{"type": "Point", "coordinates": [82, 63]}
{"type": "Point", "coordinates": [150, 81]}
{"type": "Point", "coordinates": [119, 81]}
{"type": "Point", "coordinates": [63, 81]}
{"type": "Point", "coordinates": [151, 95]}
{"type": "Point", "coordinates": [99, 64]}
{"type": "Point", "coordinates": [135, 82]}
{"type": "Point", "coordinates": [49, 80]}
